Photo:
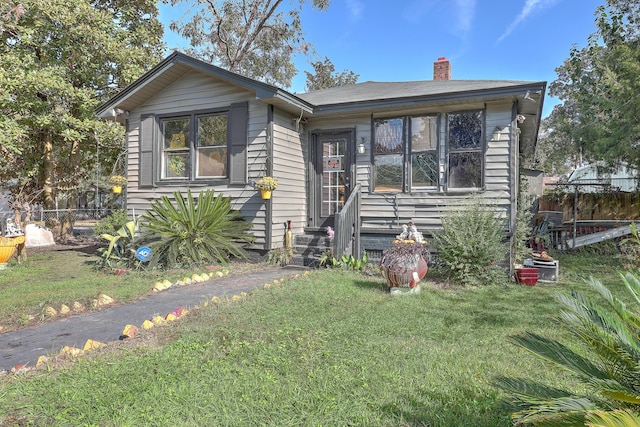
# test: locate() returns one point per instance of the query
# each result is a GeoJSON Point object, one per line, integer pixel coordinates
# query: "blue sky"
{"type": "Point", "coordinates": [398, 40]}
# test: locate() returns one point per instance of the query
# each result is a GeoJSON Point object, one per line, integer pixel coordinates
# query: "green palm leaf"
{"type": "Point", "coordinates": [625, 418]}
{"type": "Point", "coordinates": [198, 230]}
{"type": "Point", "coordinates": [607, 361]}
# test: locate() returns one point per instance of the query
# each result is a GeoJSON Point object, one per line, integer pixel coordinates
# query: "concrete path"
{"type": "Point", "coordinates": [24, 347]}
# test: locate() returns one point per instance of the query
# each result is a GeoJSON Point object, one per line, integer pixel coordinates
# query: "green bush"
{"type": "Point", "coordinates": [194, 231]}
{"type": "Point", "coordinates": [606, 362]}
{"type": "Point", "coordinates": [471, 245]}
{"type": "Point", "coordinates": [121, 250]}
{"type": "Point", "coordinates": [111, 223]}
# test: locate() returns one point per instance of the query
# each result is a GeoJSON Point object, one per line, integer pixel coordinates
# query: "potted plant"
{"type": "Point", "coordinates": [117, 182]}
{"type": "Point", "coordinates": [266, 185]}
{"type": "Point", "coordinates": [403, 264]}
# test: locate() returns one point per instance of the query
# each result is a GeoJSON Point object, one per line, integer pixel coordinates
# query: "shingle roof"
{"type": "Point", "coordinates": [380, 91]}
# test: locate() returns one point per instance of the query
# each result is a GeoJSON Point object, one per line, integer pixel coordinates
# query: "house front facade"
{"type": "Point", "coordinates": [387, 152]}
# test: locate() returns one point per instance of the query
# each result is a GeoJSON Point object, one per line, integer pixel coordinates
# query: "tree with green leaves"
{"type": "Point", "coordinates": [326, 76]}
{"type": "Point", "coordinates": [600, 87]}
{"type": "Point", "coordinates": [59, 59]}
{"type": "Point", "coordinates": [255, 38]}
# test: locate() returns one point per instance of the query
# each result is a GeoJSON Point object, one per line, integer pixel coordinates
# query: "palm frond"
{"type": "Point", "coordinates": [558, 353]}
{"type": "Point", "coordinates": [620, 418]}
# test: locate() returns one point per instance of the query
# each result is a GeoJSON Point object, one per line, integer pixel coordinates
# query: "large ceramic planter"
{"type": "Point", "coordinates": [402, 270]}
{"type": "Point", "coordinates": [7, 249]}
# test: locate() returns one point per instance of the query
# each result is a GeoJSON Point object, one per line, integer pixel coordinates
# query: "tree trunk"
{"type": "Point", "coordinates": [48, 170]}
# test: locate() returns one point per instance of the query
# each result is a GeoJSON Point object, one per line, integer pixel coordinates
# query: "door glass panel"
{"type": "Point", "coordinates": [332, 180]}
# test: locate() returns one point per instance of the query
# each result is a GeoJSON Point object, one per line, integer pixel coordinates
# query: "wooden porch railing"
{"type": "Point", "coordinates": [346, 238]}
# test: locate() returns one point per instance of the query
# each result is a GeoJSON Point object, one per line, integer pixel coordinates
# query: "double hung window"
{"type": "Point", "coordinates": [194, 146]}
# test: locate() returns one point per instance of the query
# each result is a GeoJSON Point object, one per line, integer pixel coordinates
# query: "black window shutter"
{"type": "Point", "coordinates": [145, 166]}
{"type": "Point", "coordinates": [238, 140]}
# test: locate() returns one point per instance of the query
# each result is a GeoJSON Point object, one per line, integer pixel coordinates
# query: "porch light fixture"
{"type": "Point", "coordinates": [361, 146]}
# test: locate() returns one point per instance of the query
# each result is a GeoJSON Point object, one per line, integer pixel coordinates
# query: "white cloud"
{"type": "Point", "coordinates": [355, 8]}
{"type": "Point", "coordinates": [465, 12]}
{"type": "Point", "coordinates": [530, 6]}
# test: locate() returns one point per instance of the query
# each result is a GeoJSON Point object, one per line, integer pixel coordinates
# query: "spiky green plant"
{"type": "Point", "coordinates": [607, 362]}
{"type": "Point", "coordinates": [190, 231]}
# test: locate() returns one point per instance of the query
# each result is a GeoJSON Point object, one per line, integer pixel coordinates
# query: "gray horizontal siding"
{"type": "Point", "coordinates": [198, 92]}
{"type": "Point", "coordinates": [289, 201]}
{"type": "Point", "coordinates": [391, 210]}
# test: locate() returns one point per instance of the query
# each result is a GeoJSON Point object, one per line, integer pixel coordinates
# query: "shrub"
{"type": "Point", "coordinates": [471, 245]}
{"type": "Point", "coordinates": [111, 223]}
{"type": "Point", "coordinates": [606, 362]}
{"type": "Point", "coordinates": [195, 231]}
{"type": "Point", "coordinates": [280, 256]}
{"type": "Point", "coordinates": [121, 250]}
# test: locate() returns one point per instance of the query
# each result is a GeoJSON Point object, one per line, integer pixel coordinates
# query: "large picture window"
{"type": "Point", "coordinates": [407, 155]}
{"type": "Point", "coordinates": [194, 147]}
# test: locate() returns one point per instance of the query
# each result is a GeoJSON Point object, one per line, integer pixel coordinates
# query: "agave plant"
{"type": "Point", "coordinates": [195, 231]}
{"type": "Point", "coordinates": [608, 364]}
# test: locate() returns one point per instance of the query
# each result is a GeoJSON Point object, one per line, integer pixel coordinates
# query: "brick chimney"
{"type": "Point", "coordinates": [442, 69]}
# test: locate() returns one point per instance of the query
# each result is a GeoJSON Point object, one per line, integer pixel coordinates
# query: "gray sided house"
{"type": "Point", "coordinates": [363, 158]}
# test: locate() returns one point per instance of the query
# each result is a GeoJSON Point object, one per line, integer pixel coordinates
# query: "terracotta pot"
{"type": "Point", "coordinates": [406, 273]}
{"type": "Point", "coordinates": [266, 194]}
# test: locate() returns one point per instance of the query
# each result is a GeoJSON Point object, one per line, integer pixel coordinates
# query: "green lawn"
{"type": "Point", "coordinates": [330, 348]}
{"type": "Point", "coordinates": [52, 278]}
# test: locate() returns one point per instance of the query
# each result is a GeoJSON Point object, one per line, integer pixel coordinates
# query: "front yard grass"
{"type": "Point", "coordinates": [328, 348]}
{"type": "Point", "coordinates": [67, 274]}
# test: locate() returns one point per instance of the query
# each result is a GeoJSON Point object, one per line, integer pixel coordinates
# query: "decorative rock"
{"type": "Point", "coordinates": [42, 360]}
{"type": "Point", "coordinates": [158, 320]}
{"type": "Point", "coordinates": [37, 236]}
{"type": "Point", "coordinates": [72, 351]}
{"type": "Point", "coordinates": [20, 369]}
{"type": "Point", "coordinates": [170, 317]}
{"type": "Point", "coordinates": [93, 345]}
{"type": "Point", "coordinates": [215, 300]}
{"type": "Point", "coordinates": [64, 309]}
{"type": "Point", "coordinates": [129, 331]}
{"type": "Point", "coordinates": [50, 312]}
{"type": "Point", "coordinates": [147, 324]}
{"type": "Point", "coordinates": [104, 300]}
{"type": "Point", "coordinates": [77, 306]}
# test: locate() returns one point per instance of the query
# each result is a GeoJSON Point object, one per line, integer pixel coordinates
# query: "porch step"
{"type": "Point", "coordinates": [309, 247]}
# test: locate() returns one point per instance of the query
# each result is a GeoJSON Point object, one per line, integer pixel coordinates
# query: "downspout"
{"type": "Point", "coordinates": [268, 238]}
{"type": "Point", "coordinates": [515, 185]}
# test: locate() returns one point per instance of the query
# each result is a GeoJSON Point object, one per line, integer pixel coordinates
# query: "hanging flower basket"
{"type": "Point", "coordinates": [266, 194]}
{"type": "Point", "coordinates": [117, 189]}
{"type": "Point", "coordinates": [118, 180]}
{"type": "Point", "coordinates": [267, 183]}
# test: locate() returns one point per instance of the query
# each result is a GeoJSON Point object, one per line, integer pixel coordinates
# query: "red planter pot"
{"type": "Point", "coordinates": [527, 276]}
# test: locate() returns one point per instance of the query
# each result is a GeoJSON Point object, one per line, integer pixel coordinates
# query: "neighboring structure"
{"type": "Point", "coordinates": [598, 178]}
{"type": "Point", "coordinates": [402, 151]}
